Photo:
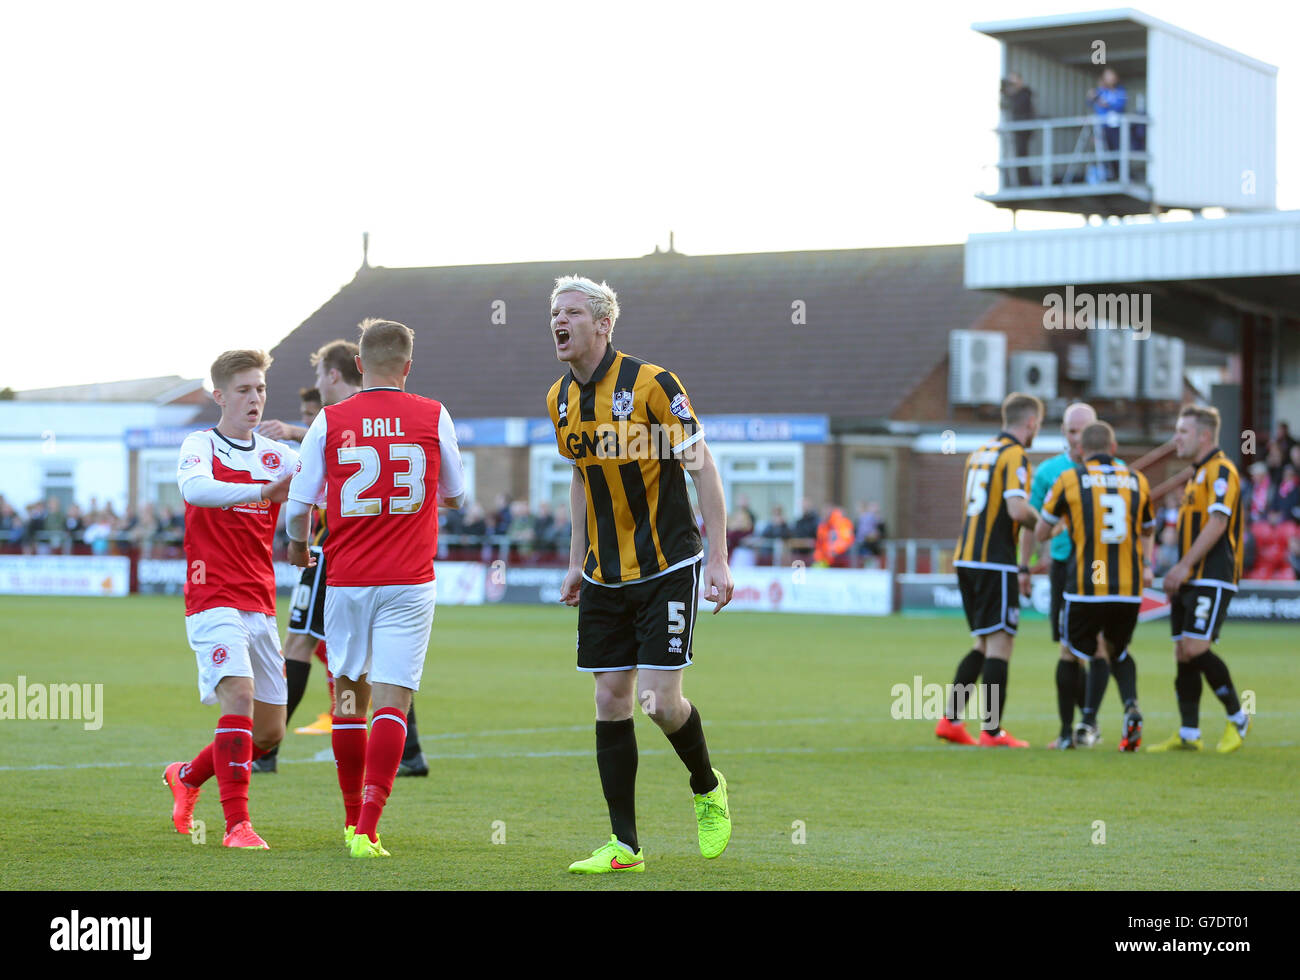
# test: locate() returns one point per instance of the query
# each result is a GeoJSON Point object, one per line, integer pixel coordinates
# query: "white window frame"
{"type": "Point", "coordinates": [728, 453]}
{"type": "Point", "coordinates": [544, 473]}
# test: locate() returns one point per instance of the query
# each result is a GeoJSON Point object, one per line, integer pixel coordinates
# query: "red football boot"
{"type": "Point", "coordinates": [1002, 738]}
{"type": "Point", "coordinates": [954, 732]}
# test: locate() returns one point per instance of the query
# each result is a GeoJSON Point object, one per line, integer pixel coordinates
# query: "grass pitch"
{"type": "Point", "coordinates": [828, 790]}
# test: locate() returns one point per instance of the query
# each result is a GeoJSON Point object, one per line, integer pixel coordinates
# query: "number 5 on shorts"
{"type": "Point", "coordinates": [676, 617]}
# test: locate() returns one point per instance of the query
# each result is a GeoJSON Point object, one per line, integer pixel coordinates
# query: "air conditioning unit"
{"type": "Point", "coordinates": [1034, 373]}
{"type": "Point", "coordinates": [977, 367]}
{"type": "Point", "coordinates": [1162, 368]}
{"type": "Point", "coordinates": [1114, 363]}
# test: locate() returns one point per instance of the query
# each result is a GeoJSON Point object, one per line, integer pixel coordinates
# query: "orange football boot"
{"type": "Point", "coordinates": [1003, 738]}
{"type": "Point", "coordinates": [954, 732]}
{"type": "Point", "coordinates": [183, 798]}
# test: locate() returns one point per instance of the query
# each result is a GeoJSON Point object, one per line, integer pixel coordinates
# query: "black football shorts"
{"type": "Point", "coordinates": [991, 598]}
{"type": "Point", "coordinates": [1084, 620]}
{"type": "Point", "coordinates": [307, 611]}
{"type": "Point", "coordinates": [1198, 612]}
{"type": "Point", "coordinates": [646, 625]}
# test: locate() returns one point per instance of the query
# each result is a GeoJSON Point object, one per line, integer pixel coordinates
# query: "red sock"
{"type": "Point", "coordinates": [349, 739]}
{"type": "Point", "coordinates": [383, 756]}
{"type": "Point", "coordinates": [232, 758]}
{"type": "Point", "coordinates": [199, 771]}
{"type": "Point", "coordinates": [333, 706]}
{"type": "Point", "coordinates": [320, 653]}
{"type": "Point", "coordinates": [258, 753]}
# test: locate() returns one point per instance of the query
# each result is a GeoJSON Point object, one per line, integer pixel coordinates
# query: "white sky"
{"type": "Point", "coordinates": [182, 179]}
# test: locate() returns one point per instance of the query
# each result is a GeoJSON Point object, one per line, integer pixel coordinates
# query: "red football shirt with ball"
{"type": "Point", "coordinates": [379, 461]}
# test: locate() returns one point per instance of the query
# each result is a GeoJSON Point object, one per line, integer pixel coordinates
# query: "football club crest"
{"type": "Point", "coordinates": [219, 655]}
{"type": "Point", "coordinates": [622, 403]}
{"type": "Point", "coordinates": [271, 460]}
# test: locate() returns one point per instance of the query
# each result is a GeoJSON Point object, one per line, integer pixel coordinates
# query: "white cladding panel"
{"type": "Point", "coordinates": [1239, 245]}
{"type": "Point", "coordinates": [1214, 125]}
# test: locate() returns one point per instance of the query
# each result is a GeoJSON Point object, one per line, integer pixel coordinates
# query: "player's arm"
{"type": "Point", "coordinates": [280, 431]}
{"type": "Point", "coordinates": [200, 489]}
{"type": "Point", "coordinates": [1055, 513]}
{"type": "Point", "coordinates": [451, 471]}
{"type": "Point", "coordinates": [718, 585]}
{"type": "Point", "coordinates": [307, 490]}
{"type": "Point", "coordinates": [571, 587]}
{"type": "Point", "coordinates": [1227, 498]}
{"type": "Point", "coordinates": [1210, 534]}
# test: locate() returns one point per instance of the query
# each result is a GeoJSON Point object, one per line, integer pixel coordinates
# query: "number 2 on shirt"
{"type": "Point", "coordinates": [351, 501]}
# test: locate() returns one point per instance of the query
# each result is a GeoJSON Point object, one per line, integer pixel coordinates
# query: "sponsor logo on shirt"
{"type": "Point", "coordinates": [681, 406]}
{"type": "Point", "coordinates": [1220, 487]}
{"type": "Point", "coordinates": [189, 461]}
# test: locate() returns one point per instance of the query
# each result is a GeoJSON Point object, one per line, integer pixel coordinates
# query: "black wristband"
{"type": "Point", "coordinates": [1024, 569]}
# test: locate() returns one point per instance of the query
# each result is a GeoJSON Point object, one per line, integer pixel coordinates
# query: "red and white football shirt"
{"type": "Point", "coordinates": [228, 543]}
{"type": "Point", "coordinates": [380, 459]}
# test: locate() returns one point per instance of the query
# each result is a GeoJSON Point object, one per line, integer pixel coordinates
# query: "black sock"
{"type": "Point", "coordinates": [963, 685]}
{"type": "Point", "coordinates": [1067, 679]}
{"type": "Point", "coordinates": [412, 747]}
{"type": "Point", "coordinates": [1126, 679]}
{"type": "Point", "coordinates": [616, 759]}
{"type": "Point", "coordinates": [1098, 678]}
{"type": "Point", "coordinates": [994, 691]}
{"type": "Point", "coordinates": [1081, 685]}
{"type": "Point", "coordinates": [1187, 688]}
{"type": "Point", "coordinates": [295, 675]}
{"type": "Point", "coordinates": [1220, 681]}
{"type": "Point", "coordinates": [272, 753]}
{"type": "Point", "coordinates": [688, 743]}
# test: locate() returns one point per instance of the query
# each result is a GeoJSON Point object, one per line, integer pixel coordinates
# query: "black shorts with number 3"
{"type": "Point", "coordinates": [645, 625]}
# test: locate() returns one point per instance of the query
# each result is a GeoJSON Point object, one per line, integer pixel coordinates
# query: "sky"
{"type": "Point", "coordinates": [182, 179]}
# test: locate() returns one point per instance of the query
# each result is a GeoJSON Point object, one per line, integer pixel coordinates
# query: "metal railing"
{"type": "Point", "coordinates": [1087, 164]}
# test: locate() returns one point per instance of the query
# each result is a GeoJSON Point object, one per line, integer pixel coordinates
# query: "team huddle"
{"type": "Point", "coordinates": [1098, 515]}
{"type": "Point", "coordinates": [374, 466]}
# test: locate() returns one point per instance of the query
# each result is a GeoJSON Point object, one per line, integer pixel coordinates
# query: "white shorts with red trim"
{"type": "Point", "coordinates": [233, 643]}
{"type": "Point", "coordinates": [380, 632]}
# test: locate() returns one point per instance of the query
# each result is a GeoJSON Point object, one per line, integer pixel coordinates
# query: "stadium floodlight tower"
{"type": "Point", "coordinates": [1196, 127]}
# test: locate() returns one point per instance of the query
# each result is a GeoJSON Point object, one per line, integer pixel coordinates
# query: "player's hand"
{"type": "Point", "coordinates": [1026, 584]}
{"type": "Point", "coordinates": [1148, 576]}
{"type": "Point", "coordinates": [277, 492]}
{"type": "Point", "coordinates": [300, 554]}
{"type": "Point", "coordinates": [571, 587]}
{"type": "Point", "coordinates": [1175, 578]}
{"type": "Point", "coordinates": [718, 585]}
{"type": "Point", "coordinates": [275, 429]}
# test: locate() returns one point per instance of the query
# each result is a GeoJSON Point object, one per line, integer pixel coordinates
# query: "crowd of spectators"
{"type": "Point", "coordinates": [823, 536]}
{"type": "Point", "coordinates": [47, 527]}
{"type": "Point", "coordinates": [1270, 494]}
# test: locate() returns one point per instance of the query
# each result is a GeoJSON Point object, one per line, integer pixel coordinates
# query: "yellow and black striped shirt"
{"type": "Point", "coordinates": [1109, 509]}
{"type": "Point", "coordinates": [626, 430]}
{"type": "Point", "coordinates": [997, 470]}
{"type": "Point", "coordinates": [1215, 488]}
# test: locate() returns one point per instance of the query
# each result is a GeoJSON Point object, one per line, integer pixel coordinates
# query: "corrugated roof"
{"type": "Point", "coordinates": [877, 321]}
{"type": "Point", "coordinates": [158, 390]}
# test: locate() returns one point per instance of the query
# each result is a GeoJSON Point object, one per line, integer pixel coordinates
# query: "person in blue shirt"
{"type": "Point", "coordinates": [1109, 100]}
{"type": "Point", "coordinates": [1073, 682]}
